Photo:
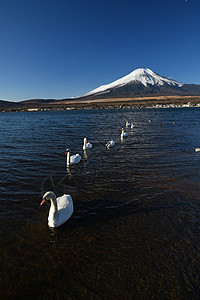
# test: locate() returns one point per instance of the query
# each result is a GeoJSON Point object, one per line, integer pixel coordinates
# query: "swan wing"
{"type": "Point", "coordinates": [112, 143]}
{"type": "Point", "coordinates": [65, 209]}
{"type": "Point", "coordinates": [88, 145]}
{"type": "Point", "coordinates": [74, 159]}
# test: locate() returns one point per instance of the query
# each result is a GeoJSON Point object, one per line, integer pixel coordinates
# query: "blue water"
{"type": "Point", "coordinates": [135, 227]}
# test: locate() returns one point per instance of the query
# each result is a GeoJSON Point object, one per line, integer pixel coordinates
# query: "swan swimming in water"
{"type": "Point", "coordinates": [73, 159]}
{"type": "Point", "coordinates": [132, 125]}
{"type": "Point", "coordinates": [128, 123]}
{"type": "Point", "coordinates": [110, 144]}
{"type": "Point", "coordinates": [86, 144]}
{"type": "Point", "coordinates": [123, 134]}
{"type": "Point", "coordinates": [61, 208]}
{"type": "Point", "coordinates": [197, 149]}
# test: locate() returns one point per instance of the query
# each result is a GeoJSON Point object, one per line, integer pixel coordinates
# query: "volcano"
{"type": "Point", "coordinates": [143, 82]}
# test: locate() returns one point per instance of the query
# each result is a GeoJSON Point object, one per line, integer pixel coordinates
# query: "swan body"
{"type": "Point", "coordinates": [86, 144]}
{"type": "Point", "coordinates": [123, 134]}
{"type": "Point", "coordinates": [197, 149]}
{"type": "Point", "coordinates": [110, 144]}
{"type": "Point", "coordinates": [61, 208]}
{"type": "Point", "coordinates": [73, 159]}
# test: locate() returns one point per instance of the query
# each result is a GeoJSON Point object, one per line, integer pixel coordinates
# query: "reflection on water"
{"type": "Point", "coordinates": [135, 227]}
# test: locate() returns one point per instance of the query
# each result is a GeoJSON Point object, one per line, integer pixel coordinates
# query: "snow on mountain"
{"type": "Point", "coordinates": [144, 76]}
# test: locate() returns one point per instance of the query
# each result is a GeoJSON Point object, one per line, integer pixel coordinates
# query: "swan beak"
{"type": "Point", "coordinates": [42, 201]}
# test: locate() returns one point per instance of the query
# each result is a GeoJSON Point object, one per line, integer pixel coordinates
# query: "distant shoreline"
{"type": "Point", "coordinates": [112, 103]}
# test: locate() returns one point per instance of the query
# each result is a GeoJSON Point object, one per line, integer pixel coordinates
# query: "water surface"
{"type": "Point", "coordinates": [135, 228]}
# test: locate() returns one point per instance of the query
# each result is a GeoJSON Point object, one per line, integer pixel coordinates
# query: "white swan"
{"type": "Point", "coordinates": [86, 144]}
{"type": "Point", "coordinates": [110, 144]}
{"type": "Point", "coordinates": [73, 159]}
{"type": "Point", "coordinates": [123, 134]}
{"type": "Point", "coordinates": [128, 123]}
{"type": "Point", "coordinates": [197, 149]}
{"type": "Point", "coordinates": [61, 208]}
{"type": "Point", "coordinates": [132, 125]}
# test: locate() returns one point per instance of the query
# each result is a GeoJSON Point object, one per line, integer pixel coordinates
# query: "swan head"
{"type": "Point", "coordinates": [85, 142]}
{"type": "Point", "coordinates": [48, 196]}
{"type": "Point", "coordinates": [67, 151]}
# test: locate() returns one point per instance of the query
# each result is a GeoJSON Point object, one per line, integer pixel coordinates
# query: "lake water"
{"type": "Point", "coordinates": [135, 231]}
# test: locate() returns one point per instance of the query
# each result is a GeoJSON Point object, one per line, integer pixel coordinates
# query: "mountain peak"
{"type": "Point", "coordinates": [144, 76]}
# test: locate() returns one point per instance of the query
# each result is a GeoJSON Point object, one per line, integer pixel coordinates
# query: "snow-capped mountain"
{"type": "Point", "coordinates": [143, 76]}
{"type": "Point", "coordinates": [143, 81]}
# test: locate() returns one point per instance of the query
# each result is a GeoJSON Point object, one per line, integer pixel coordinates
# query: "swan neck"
{"type": "Point", "coordinates": [54, 204]}
{"type": "Point", "coordinates": [68, 158]}
{"type": "Point", "coordinates": [84, 143]}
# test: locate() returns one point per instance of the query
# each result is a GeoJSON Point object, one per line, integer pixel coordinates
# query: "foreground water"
{"type": "Point", "coordinates": [135, 229]}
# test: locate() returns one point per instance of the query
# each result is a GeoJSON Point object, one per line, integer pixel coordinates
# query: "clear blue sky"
{"type": "Point", "coordinates": [61, 48]}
